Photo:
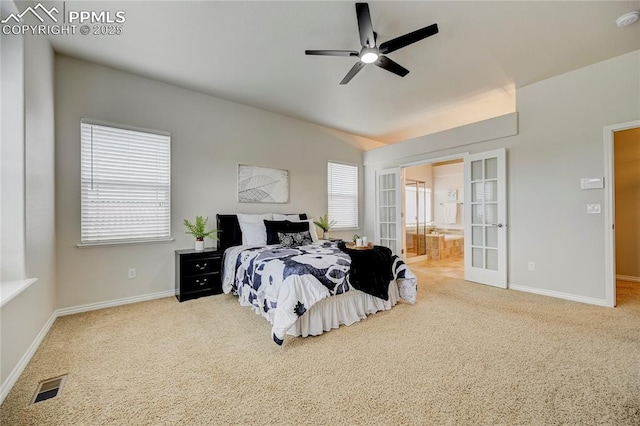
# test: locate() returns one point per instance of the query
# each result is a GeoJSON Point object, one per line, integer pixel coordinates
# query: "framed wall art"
{"type": "Point", "coordinates": [451, 195]}
{"type": "Point", "coordinates": [262, 185]}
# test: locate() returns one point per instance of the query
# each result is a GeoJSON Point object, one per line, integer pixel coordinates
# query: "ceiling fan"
{"type": "Point", "coordinates": [372, 54]}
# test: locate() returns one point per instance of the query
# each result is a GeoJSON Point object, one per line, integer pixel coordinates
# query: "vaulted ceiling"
{"type": "Point", "coordinates": [253, 53]}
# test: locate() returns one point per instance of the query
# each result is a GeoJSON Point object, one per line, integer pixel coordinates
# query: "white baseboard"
{"type": "Point", "coordinates": [628, 278]}
{"type": "Point", "coordinates": [22, 364]}
{"type": "Point", "coordinates": [560, 295]}
{"type": "Point", "coordinates": [19, 368]}
{"type": "Point", "coordinates": [112, 303]}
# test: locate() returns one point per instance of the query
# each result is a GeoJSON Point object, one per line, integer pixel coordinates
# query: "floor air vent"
{"type": "Point", "coordinates": [49, 389]}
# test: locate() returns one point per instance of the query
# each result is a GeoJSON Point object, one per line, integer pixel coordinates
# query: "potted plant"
{"type": "Point", "coordinates": [325, 224]}
{"type": "Point", "coordinates": [198, 230]}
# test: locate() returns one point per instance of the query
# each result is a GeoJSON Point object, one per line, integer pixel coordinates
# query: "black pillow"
{"type": "Point", "coordinates": [284, 226]}
{"type": "Point", "coordinates": [294, 239]}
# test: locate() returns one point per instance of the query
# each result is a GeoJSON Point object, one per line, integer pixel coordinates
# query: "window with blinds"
{"type": "Point", "coordinates": [125, 185]}
{"type": "Point", "coordinates": [343, 195]}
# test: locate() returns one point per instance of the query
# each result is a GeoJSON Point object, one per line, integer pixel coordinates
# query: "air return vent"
{"type": "Point", "coordinates": [49, 389]}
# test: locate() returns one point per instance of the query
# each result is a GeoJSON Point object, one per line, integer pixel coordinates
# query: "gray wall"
{"type": "Point", "coordinates": [24, 317]}
{"type": "Point", "coordinates": [209, 138]}
{"type": "Point", "coordinates": [12, 240]}
{"type": "Point", "coordinates": [445, 177]}
{"type": "Point", "coordinates": [560, 140]}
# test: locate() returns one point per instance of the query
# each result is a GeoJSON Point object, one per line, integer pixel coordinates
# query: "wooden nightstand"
{"type": "Point", "coordinates": [198, 273]}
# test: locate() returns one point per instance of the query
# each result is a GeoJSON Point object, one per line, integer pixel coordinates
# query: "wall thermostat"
{"type": "Point", "coordinates": [592, 183]}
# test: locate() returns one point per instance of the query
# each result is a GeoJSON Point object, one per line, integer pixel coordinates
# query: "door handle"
{"type": "Point", "coordinates": [497, 225]}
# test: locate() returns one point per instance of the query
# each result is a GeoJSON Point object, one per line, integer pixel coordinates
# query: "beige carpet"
{"type": "Point", "coordinates": [464, 354]}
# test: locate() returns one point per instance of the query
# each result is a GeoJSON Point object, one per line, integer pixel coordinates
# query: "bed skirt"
{"type": "Point", "coordinates": [332, 312]}
{"type": "Point", "coordinates": [343, 309]}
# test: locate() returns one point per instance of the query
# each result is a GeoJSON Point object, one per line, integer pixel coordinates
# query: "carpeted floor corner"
{"type": "Point", "coordinates": [465, 354]}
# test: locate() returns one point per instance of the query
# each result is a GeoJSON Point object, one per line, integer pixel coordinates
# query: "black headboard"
{"type": "Point", "coordinates": [229, 232]}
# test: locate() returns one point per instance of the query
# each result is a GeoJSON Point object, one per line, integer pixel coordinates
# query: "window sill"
{"type": "Point", "coordinates": [124, 243]}
{"type": "Point", "coordinates": [10, 289]}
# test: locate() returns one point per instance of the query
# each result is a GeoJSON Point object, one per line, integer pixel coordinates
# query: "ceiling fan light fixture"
{"type": "Point", "coordinates": [628, 18]}
{"type": "Point", "coordinates": [370, 52]}
{"type": "Point", "coordinates": [369, 57]}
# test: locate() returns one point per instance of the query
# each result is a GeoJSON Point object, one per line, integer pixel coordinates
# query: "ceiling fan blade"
{"type": "Point", "coordinates": [352, 72]}
{"type": "Point", "coordinates": [407, 39]}
{"type": "Point", "coordinates": [391, 66]}
{"type": "Point", "coordinates": [332, 52]}
{"type": "Point", "coordinates": [367, 38]}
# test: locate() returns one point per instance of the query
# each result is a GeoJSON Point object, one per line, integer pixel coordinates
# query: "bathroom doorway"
{"type": "Point", "coordinates": [417, 214]}
{"type": "Point", "coordinates": [433, 213]}
{"type": "Point", "coordinates": [626, 190]}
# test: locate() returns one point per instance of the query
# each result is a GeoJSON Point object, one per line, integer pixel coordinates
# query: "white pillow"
{"type": "Point", "coordinates": [253, 230]}
{"type": "Point", "coordinates": [289, 217]}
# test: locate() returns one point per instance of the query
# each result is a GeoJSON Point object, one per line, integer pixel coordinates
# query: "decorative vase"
{"type": "Point", "coordinates": [199, 245]}
{"type": "Point", "coordinates": [325, 235]}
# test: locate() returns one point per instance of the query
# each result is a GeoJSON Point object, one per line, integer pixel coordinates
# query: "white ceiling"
{"type": "Point", "coordinates": [253, 53]}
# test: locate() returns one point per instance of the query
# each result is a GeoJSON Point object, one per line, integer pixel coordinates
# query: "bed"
{"type": "Point", "coordinates": [302, 285]}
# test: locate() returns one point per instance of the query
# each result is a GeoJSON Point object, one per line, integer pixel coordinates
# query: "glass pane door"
{"type": "Point", "coordinates": [485, 231]}
{"type": "Point", "coordinates": [416, 217]}
{"type": "Point", "coordinates": [387, 205]}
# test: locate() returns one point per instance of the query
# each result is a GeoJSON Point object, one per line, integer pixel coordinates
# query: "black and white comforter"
{"type": "Point", "coordinates": [282, 283]}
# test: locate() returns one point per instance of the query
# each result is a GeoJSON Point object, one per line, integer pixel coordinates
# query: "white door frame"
{"type": "Point", "coordinates": [609, 209]}
{"type": "Point", "coordinates": [462, 156]}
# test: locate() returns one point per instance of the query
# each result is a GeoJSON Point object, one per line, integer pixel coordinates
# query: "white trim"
{"type": "Point", "coordinates": [24, 361]}
{"type": "Point", "coordinates": [609, 209]}
{"type": "Point", "coordinates": [111, 303]}
{"type": "Point", "coordinates": [628, 278]}
{"type": "Point", "coordinates": [10, 289]}
{"type": "Point", "coordinates": [124, 127]}
{"type": "Point", "coordinates": [124, 242]}
{"type": "Point", "coordinates": [440, 159]}
{"type": "Point", "coordinates": [559, 295]}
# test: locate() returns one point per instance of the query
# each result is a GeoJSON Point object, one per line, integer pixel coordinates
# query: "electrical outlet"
{"type": "Point", "coordinates": [532, 266]}
{"type": "Point", "coordinates": [593, 208]}
{"type": "Point", "coordinates": [132, 273]}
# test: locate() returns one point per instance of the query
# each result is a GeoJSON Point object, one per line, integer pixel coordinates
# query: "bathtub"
{"type": "Point", "coordinates": [444, 246]}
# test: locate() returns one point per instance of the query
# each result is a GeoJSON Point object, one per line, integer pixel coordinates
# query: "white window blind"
{"type": "Point", "coordinates": [125, 185]}
{"type": "Point", "coordinates": [343, 194]}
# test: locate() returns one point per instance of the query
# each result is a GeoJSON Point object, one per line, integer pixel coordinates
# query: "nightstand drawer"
{"type": "Point", "coordinates": [201, 282]}
{"type": "Point", "coordinates": [201, 266]}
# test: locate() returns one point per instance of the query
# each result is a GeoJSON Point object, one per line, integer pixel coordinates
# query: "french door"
{"type": "Point", "coordinates": [388, 223]}
{"type": "Point", "coordinates": [485, 212]}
